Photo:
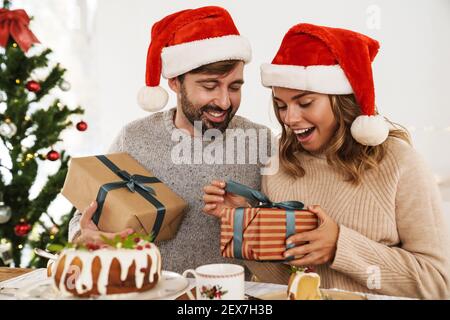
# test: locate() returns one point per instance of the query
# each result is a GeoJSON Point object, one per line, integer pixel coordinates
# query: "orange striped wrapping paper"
{"type": "Point", "coordinates": [263, 232]}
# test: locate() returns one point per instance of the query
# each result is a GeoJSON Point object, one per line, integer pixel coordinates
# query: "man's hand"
{"type": "Point", "coordinates": [90, 232]}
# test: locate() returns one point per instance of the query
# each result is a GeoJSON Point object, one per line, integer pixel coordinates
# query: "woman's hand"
{"type": "Point", "coordinates": [216, 199]}
{"type": "Point", "coordinates": [320, 246]}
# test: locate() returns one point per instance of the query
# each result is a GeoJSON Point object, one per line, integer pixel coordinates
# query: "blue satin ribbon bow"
{"type": "Point", "coordinates": [263, 202]}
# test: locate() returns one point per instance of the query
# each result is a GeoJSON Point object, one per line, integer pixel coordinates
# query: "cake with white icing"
{"type": "Point", "coordinates": [122, 265]}
{"type": "Point", "coordinates": [304, 284]}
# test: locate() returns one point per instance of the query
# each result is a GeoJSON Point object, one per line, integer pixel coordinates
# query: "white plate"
{"type": "Point", "coordinates": [170, 286]}
{"type": "Point", "coordinates": [328, 294]}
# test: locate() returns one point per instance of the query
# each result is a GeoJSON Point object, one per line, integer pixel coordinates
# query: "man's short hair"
{"type": "Point", "coordinates": [218, 68]}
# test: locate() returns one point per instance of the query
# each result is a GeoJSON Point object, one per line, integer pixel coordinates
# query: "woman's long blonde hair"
{"type": "Point", "coordinates": [342, 152]}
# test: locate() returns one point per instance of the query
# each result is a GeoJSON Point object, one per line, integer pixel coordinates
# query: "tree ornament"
{"type": "Point", "coordinates": [29, 156]}
{"type": "Point", "coordinates": [6, 252]}
{"type": "Point", "coordinates": [64, 85]}
{"type": "Point", "coordinates": [15, 24]}
{"type": "Point", "coordinates": [22, 228]}
{"type": "Point", "coordinates": [54, 230]}
{"type": "Point", "coordinates": [5, 211]}
{"type": "Point", "coordinates": [8, 129]}
{"type": "Point", "coordinates": [82, 126]}
{"type": "Point", "coordinates": [52, 155]}
{"type": "Point", "coordinates": [33, 86]}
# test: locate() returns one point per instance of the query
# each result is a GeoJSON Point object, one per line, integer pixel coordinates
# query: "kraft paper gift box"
{"type": "Point", "coordinates": [260, 233]}
{"type": "Point", "coordinates": [128, 195]}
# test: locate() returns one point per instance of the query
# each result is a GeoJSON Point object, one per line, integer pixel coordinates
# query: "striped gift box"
{"type": "Point", "coordinates": [261, 233]}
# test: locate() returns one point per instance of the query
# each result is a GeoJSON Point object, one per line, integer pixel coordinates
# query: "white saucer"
{"type": "Point", "coordinates": [169, 287]}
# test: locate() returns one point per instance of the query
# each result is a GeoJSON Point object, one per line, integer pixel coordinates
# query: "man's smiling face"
{"type": "Point", "coordinates": [212, 99]}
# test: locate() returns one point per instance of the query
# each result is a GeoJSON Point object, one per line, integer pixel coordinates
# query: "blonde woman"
{"type": "Point", "coordinates": [382, 228]}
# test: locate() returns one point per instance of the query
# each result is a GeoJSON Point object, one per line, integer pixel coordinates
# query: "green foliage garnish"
{"type": "Point", "coordinates": [295, 269]}
{"type": "Point", "coordinates": [132, 241]}
{"type": "Point", "coordinates": [55, 247]}
{"type": "Point", "coordinates": [129, 242]}
{"type": "Point", "coordinates": [59, 247]}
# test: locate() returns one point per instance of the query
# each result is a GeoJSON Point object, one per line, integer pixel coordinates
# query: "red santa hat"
{"type": "Point", "coordinates": [184, 41]}
{"type": "Point", "coordinates": [330, 61]}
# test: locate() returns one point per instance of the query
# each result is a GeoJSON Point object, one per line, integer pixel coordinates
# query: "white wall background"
{"type": "Point", "coordinates": [411, 70]}
{"type": "Point", "coordinates": [103, 43]}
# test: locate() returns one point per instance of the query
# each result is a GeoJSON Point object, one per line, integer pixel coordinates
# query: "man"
{"type": "Point", "coordinates": [202, 55]}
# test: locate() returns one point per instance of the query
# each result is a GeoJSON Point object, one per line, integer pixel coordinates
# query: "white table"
{"type": "Point", "coordinates": [255, 289]}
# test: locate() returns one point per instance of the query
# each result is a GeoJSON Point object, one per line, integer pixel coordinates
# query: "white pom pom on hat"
{"type": "Point", "coordinates": [152, 99]}
{"type": "Point", "coordinates": [180, 42]}
{"type": "Point", "coordinates": [370, 130]}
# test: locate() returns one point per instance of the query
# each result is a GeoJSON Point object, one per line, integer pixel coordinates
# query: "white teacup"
{"type": "Point", "coordinates": [220, 281]}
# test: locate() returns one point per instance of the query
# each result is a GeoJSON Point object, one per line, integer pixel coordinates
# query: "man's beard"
{"type": "Point", "coordinates": [196, 114]}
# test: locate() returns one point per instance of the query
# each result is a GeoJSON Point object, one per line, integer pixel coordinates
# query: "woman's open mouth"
{"type": "Point", "coordinates": [304, 135]}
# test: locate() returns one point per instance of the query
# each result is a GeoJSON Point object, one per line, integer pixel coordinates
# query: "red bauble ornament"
{"type": "Point", "coordinates": [22, 229]}
{"type": "Point", "coordinates": [82, 126]}
{"type": "Point", "coordinates": [52, 155]}
{"type": "Point", "coordinates": [33, 86]}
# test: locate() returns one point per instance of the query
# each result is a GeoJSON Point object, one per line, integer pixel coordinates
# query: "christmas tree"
{"type": "Point", "coordinates": [30, 130]}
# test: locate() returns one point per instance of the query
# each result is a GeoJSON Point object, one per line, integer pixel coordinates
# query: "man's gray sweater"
{"type": "Point", "coordinates": [149, 140]}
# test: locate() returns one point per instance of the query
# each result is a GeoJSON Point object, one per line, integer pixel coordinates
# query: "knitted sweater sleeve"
{"type": "Point", "coordinates": [419, 266]}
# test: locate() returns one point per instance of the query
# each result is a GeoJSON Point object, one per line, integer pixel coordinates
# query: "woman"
{"type": "Point", "coordinates": [382, 228]}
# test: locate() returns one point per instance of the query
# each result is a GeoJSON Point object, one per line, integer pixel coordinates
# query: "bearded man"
{"type": "Point", "coordinates": [202, 54]}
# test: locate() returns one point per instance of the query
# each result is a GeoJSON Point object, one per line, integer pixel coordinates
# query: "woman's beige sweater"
{"type": "Point", "coordinates": [393, 239]}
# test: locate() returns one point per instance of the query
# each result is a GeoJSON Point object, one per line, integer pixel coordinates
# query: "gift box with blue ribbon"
{"type": "Point", "coordinates": [260, 232]}
{"type": "Point", "coordinates": [128, 195]}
